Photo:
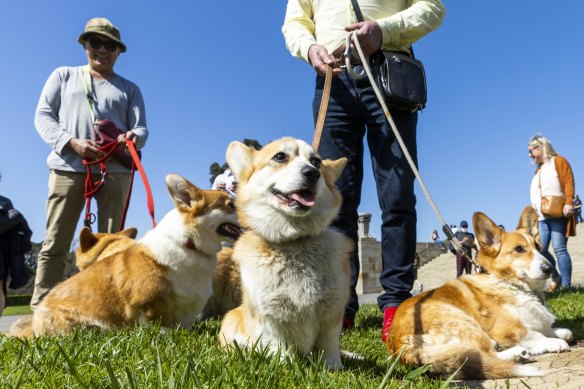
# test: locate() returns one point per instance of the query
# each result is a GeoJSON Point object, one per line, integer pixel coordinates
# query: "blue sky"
{"type": "Point", "coordinates": [214, 72]}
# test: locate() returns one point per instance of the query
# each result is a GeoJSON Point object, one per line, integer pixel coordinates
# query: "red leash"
{"type": "Point", "coordinates": [149, 199]}
{"type": "Point", "coordinates": [91, 188]}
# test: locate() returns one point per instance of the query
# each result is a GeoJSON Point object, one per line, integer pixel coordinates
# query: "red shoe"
{"type": "Point", "coordinates": [348, 324]}
{"type": "Point", "coordinates": [388, 315]}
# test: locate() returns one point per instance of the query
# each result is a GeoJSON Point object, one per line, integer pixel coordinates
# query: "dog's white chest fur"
{"type": "Point", "coordinates": [297, 283]}
{"type": "Point", "coordinates": [189, 271]}
{"type": "Point", "coordinates": [532, 313]}
{"type": "Point", "coordinates": [192, 289]}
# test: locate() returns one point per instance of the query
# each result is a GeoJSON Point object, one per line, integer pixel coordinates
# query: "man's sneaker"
{"type": "Point", "coordinates": [348, 323]}
{"type": "Point", "coordinates": [388, 316]}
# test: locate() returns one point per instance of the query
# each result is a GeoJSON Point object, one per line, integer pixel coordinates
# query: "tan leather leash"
{"type": "Point", "coordinates": [326, 93]}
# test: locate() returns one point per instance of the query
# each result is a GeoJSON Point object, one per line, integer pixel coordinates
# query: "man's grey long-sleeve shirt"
{"type": "Point", "coordinates": [63, 113]}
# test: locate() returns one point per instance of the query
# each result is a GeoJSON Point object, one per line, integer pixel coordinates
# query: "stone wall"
{"type": "Point", "coordinates": [370, 257]}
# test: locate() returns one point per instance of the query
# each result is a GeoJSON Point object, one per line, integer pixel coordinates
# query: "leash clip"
{"type": "Point", "coordinates": [347, 55]}
{"type": "Point", "coordinates": [90, 218]}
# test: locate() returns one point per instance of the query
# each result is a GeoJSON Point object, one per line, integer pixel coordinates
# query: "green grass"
{"type": "Point", "coordinates": [18, 310]}
{"type": "Point", "coordinates": [146, 357]}
{"type": "Point", "coordinates": [568, 306]}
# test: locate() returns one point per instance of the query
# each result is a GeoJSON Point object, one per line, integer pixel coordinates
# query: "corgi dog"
{"type": "Point", "coordinates": [484, 323]}
{"type": "Point", "coordinates": [165, 276]}
{"type": "Point", "coordinates": [226, 286]}
{"type": "Point", "coordinates": [294, 269]}
{"type": "Point", "coordinates": [97, 246]}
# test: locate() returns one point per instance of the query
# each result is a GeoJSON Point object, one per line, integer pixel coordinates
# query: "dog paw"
{"type": "Point", "coordinates": [524, 357]}
{"type": "Point", "coordinates": [517, 354]}
{"type": "Point", "coordinates": [551, 345]}
{"type": "Point", "coordinates": [564, 333]}
{"type": "Point", "coordinates": [334, 365]}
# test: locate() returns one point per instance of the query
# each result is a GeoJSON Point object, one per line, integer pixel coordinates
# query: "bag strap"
{"type": "Point", "coordinates": [539, 181]}
{"type": "Point", "coordinates": [357, 10]}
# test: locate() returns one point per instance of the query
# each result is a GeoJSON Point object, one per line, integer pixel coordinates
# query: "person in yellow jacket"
{"type": "Point", "coordinates": [315, 31]}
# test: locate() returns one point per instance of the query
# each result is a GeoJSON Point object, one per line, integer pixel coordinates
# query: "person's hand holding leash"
{"type": "Point", "coordinates": [87, 149]}
{"type": "Point", "coordinates": [319, 57]}
{"type": "Point", "coordinates": [369, 34]}
{"type": "Point", "coordinates": [128, 135]}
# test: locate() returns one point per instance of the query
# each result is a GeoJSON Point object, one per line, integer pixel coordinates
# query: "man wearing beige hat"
{"type": "Point", "coordinates": [72, 100]}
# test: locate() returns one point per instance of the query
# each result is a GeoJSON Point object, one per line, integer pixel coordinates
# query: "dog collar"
{"type": "Point", "coordinates": [190, 245]}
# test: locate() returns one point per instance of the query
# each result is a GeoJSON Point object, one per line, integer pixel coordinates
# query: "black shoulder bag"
{"type": "Point", "coordinates": [401, 77]}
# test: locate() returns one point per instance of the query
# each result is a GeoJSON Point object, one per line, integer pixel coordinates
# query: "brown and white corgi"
{"type": "Point", "coordinates": [488, 322]}
{"type": "Point", "coordinates": [294, 269]}
{"type": "Point", "coordinates": [165, 276]}
{"type": "Point", "coordinates": [94, 247]}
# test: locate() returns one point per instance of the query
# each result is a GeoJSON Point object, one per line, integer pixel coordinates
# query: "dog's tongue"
{"type": "Point", "coordinates": [304, 198]}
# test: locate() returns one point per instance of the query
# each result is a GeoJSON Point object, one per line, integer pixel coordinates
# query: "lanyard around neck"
{"type": "Point", "coordinates": [89, 95]}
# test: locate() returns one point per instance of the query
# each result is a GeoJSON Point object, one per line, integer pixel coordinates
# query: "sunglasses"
{"type": "Point", "coordinates": [97, 43]}
{"type": "Point", "coordinates": [530, 151]}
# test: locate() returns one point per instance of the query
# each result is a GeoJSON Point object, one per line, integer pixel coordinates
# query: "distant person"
{"type": "Point", "coordinates": [578, 209]}
{"type": "Point", "coordinates": [226, 181]}
{"type": "Point", "coordinates": [453, 228]}
{"type": "Point", "coordinates": [437, 241]}
{"type": "Point", "coordinates": [553, 177]}
{"type": "Point", "coordinates": [467, 239]}
{"type": "Point", "coordinates": [420, 286]}
{"type": "Point", "coordinates": [14, 244]}
{"type": "Point", "coordinates": [72, 96]}
{"type": "Point", "coordinates": [435, 236]}
{"type": "Point", "coordinates": [501, 227]}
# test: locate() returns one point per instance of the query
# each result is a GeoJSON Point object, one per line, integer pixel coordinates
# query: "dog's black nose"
{"type": "Point", "coordinates": [311, 173]}
{"type": "Point", "coordinates": [546, 268]}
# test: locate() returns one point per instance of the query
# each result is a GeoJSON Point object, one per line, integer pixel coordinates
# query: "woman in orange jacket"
{"type": "Point", "coordinates": [553, 177]}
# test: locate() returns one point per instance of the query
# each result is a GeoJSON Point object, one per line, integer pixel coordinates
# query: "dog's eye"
{"type": "Point", "coordinates": [231, 204]}
{"type": "Point", "coordinates": [519, 249]}
{"type": "Point", "coordinates": [316, 162]}
{"type": "Point", "coordinates": [280, 157]}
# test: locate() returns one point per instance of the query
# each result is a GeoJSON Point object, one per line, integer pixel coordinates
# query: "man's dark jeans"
{"type": "Point", "coordinates": [354, 111]}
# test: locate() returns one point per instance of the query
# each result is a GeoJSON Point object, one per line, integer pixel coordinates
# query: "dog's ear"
{"type": "Point", "coordinates": [487, 232]}
{"type": "Point", "coordinates": [239, 158]}
{"type": "Point", "coordinates": [528, 222]}
{"type": "Point", "coordinates": [333, 169]}
{"type": "Point", "coordinates": [86, 239]}
{"type": "Point", "coordinates": [184, 194]}
{"type": "Point", "coordinates": [129, 232]}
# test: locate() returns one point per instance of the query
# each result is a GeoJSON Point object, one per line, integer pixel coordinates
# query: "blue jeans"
{"type": "Point", "coordinates": [554, 230]}
{"type": "Point", "coordinates": [352, 113]}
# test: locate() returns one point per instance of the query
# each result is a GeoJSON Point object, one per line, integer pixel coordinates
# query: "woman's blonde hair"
{"type": "Point", "coordinates": [539, 140]}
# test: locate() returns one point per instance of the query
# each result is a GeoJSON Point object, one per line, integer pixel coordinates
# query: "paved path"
{"type": "Point", "coordinates": [6, 322]}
